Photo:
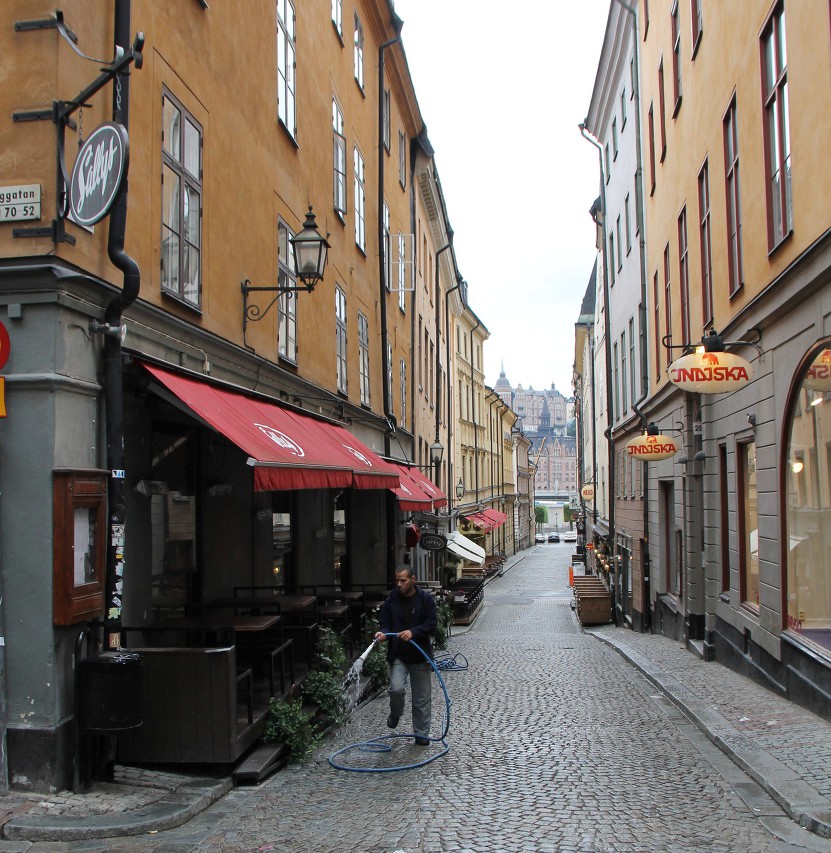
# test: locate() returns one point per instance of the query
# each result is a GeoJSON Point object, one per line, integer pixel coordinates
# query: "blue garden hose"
{"type": "Point", "coordinates": [377, 744]}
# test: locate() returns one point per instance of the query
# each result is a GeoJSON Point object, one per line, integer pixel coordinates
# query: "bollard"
{"type": "Point", "coordinates": [571, 575]}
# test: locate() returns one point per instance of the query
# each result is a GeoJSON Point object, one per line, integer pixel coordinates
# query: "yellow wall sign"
{"type": "Point", "coordinates": [2, 397]}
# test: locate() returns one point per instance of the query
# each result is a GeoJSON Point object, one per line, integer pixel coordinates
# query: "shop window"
{"type": "Point", "coordinates": [79, 545]}
{"type": "Point", "coordinates": [807, 481]}
{"type": "Point", "coordinates": [748, 523]}
{"type": "Point", "coordinates": [281, 539]}
{"type": "Point", "coordinates": [340, 568]}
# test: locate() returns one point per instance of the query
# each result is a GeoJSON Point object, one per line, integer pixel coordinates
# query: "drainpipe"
{"type": "Point", "coordinates": [397, 25]}
{"type": "Point", "coordinates": [113, 385]}
{"type": "Point", "coordinates": [448, 245]}
{"type": "Point", "coordinates": [473, 411]}
{"type": "Point", "coordinates": [633, 18]}
{"type": "Point", "coordinates": [451, 484]}
{"type": "Point", "coordinates": [608, 359]}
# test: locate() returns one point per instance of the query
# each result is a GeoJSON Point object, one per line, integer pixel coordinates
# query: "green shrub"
{"type": "Point", "coordinates": [325, 690]}
{"type": "Point", "coordinates": [331, 654]}
{"type": "Point", "coordinates": [286, 722]}
{"type": "Point", "coordinates": [444, 611]}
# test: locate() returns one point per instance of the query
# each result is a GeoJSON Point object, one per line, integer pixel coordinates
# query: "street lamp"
{"type": "Point", "coordinates": [460, 489]}
{"type": "Point", "coordinates": [436, 454]}
{"type": "Point", "coordinates": [309, 251]}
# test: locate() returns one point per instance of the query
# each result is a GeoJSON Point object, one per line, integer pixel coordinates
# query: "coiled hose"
{"type": "Point", "coordinates": [379, 744]}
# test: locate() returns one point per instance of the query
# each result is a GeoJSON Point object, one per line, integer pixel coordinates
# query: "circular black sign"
{"type": "Point", "coordinates": [98, 173]}
{"type": "Point", "coordinates": [432, 541]}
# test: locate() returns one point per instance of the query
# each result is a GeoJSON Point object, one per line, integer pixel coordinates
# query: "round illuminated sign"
{"type": "Point", "coordinates": [818, 377]}
{"type": "Point", "coordinates": [587, 493]}
{"type": "Point", "coordinates": [432, 541]}
{"type": "Point", "coordinates": [652, 448]}
{"type": "Point", "coordinates": [710, 372]}
{"type": "Point", "coordinates": [98, 173]}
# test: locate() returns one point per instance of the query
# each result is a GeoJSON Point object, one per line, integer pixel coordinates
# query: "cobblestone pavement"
{"type": "Point", "coordinates": [557, 743]}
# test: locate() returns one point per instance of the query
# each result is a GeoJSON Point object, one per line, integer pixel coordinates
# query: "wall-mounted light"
{"type": "Point", "coordinates": [96, 328]}
{"type": "Point", "coordinates": [797, 465]}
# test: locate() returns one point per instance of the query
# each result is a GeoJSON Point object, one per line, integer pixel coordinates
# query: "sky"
{"type": "Point", "coordinates": [502, 88]}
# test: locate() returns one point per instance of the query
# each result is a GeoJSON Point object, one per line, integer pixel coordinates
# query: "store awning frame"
{"type": "Point", "coordinates": [461, 546]}
{"type": "Point", "coordinates": [415, 492]}
{"type": "Point", "coordinates": [288, 450]}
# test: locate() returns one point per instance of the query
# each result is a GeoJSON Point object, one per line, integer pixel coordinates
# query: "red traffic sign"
{"type": "Point", "coordinates": [5, 346]}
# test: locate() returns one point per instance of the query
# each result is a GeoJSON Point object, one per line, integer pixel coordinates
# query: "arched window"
{"type": "Point", "coordinates": [807, 499]}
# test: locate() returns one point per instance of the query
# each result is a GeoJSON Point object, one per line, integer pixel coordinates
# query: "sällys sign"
{"type": "Point", "coordinates": [710, 372]}
{"type": "Point", "coordinates": [98, 173]}
{"type": "Point", "coordinates": [652, 448]}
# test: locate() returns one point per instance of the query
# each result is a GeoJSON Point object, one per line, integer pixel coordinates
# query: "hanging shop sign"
{"type": "Point", "coordinates": [98, 173]}
{"type": "Point", "coordinates": [710, 372]}
{"type": "Point", "coordinates": [432, 541]}
{"type": "Point", "coordinates": [652, 447]}
{"type": "Point", "coordinates": [818, 377]}
{"type": "Point", "coordinates": [587, 493]}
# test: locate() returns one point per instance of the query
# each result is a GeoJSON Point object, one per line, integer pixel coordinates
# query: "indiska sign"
{"type": "Point", "coordinates": [710, 372]}
{"type": "Point", "coordinates": [98, 173]}
{"type": "Point", "coordinates": [818, 377]}
{"type": "Point", "coordinates": [652, 448]}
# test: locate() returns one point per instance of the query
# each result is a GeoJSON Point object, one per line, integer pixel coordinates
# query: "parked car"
{"type": "Point", "coordinates": [569, 536]}
{"type": "Point", "coordinates": [539, 537]}
{"type": "Point", "coordinates": [553, 537]}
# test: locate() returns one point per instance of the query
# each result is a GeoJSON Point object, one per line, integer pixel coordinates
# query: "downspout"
{"type": "Point", "coordinates": [636, 406]}
{"type": "Point", "coordinates": [451, 485]}
{"type": "Point", "coordinates": [437, 470]}
{"type": "Point", "coordinates": [397, 25]}
{"type": "Point", "coordinates": [473, 412]}
{"type": "Point", "coordinates": [608, 359]}
{"type": "Point", "coordinates": [113, 383]}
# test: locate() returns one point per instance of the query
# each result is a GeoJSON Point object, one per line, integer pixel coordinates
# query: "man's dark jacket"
{"type": "Point", "coordinates": [421, 620]}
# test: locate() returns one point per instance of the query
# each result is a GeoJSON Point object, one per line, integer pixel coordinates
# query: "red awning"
{"type": "Point", "coordinates": [288, 450]}
{"type": "Point", "coordinates": [496, 517]}
{"type": "Point", "coordinates": [415, 491]}
{"type": "Point", "coordinates": [486, 520]}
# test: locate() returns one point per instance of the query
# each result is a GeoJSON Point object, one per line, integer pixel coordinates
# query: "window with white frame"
{"type": "Point", "coordinates": [403, 377]}
{"type": "Point", "coordinates": [627, 224]}
{"type": "Point", "coordinates": [632, 360]}
{"type": "Point", "coordinates": [286, 66]}
{"type": "Point", "coordinates": [402, 271]}
{"type": "Point", "coordinates": [387, 121]}
{"type": "Point", "coordinates": [676, 56]}
{"type": "Point", "coordinates": [624, 400]}
{"type": "Point", "coordinates": [389, 372]}
{"type": "Point", "coordinates": [181, 203]}
{"type": "Point", "coordinates": [363, 357]}
{"type": "Point", "coordinates": [338, 160]}
{"type": "Point", "coordinates": [359, 51]}
{"type": "Point", "coordinates": [616, 386]}
{"type": "Point", "coordinates": [287, 303]}
{"type": "Point", "coordinates": [337, 16]}
{"type": "Point", "coordinates": [360, 201]}
{"type": "Point", "coordinates": [340, 338]}
{"type": "Point", "coordinates": [387, 248]}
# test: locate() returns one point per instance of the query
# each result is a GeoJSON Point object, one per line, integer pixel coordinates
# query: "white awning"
{"type": "Point", "coordinates": [464, 547]}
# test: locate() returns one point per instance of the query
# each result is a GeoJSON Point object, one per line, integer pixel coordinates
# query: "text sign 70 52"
{"type": "Point", "coordinates": [20, 203]}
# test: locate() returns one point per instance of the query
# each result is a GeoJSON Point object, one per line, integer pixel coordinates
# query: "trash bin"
{"type": "Point", "coordinates": [110, 693]}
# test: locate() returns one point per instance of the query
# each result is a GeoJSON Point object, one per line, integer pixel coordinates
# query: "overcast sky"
{"type": "Point", "coordinates": [502, 88]}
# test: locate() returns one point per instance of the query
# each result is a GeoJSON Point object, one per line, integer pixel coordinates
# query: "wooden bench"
{"type": "Point", "coordinates": [198, 708]}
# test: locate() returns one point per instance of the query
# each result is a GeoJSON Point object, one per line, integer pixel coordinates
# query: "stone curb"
{"type": "Point", "coordinates": [801, 801]}
{"type": "Point", "coordinates": [173, 809]}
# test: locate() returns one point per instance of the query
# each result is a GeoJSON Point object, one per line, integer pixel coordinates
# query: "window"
{"type": "Point", "coordinates": [402, 271]}
{"type": "Point", "coordinates": [614, 139]}
{"type": "Point", "coordinates": [608, 162]}
{"type": "Point", "coordinates": [628, 224]}
{"type": "Point", "coordinates": [616, 386]}
{"type": "Point", "coordinates": [360, 201]}
{"type": "Point", "coordinates": [286, 304]}
{"type": "Point", "coordinates": [286, 66]}
{"type": "Point", "coordinates": [389, 372]}
{"type": "Point", "coordinates": [676, 58]}
{"type": "Point", "coordinates": [705, 243]}
{"type": "Point", "coordinates": [402, 159]}
{"type": "Point", "coordinates": [684, 276]}
{"type": "Point", "coordinates": [359, 52]}
{"type": "Point", "coordinates": [337, 16]}
{"type": "Point", "coordinates": [657, 324]}
{"type": "Point", "coordinates": [645, 17]}
{"type": "Point", "coordinates": [777, 132]}
{"type": "Point", "coordinates": [697, 19]}
{"type": "Point", "coordinates": [340, 338]}
{"type": "Point", "coordinates": [651, 122]}
{"type": "Point", "coordinates": [612, 259]}
{"type": "Point", "coordinates": [387, 249]}
{"type": "Point", "coordinates": [632, 359]}
{"type": "Point", "coordinates": [748, 522]}
{"type": "Point", "coordinates": [619, 245]}
{"type": "Point", "coordinates": [623, 108]}
{"type": "Point", "coordinates": [662, 111]}
{"type": "Point", "coordinates": [386, 118]}
{"type": "Point", "coordinates": [363, 357]}
{"type": "Point", "coordinates": [338, 160]}
{"type": "Point", "coordinates": [724, 518]}
{"type": "Point", "coordinates": [731, 180]}
{"type": "Point", "coordinates": [181, 203]}
{"type": "Point", "coordinates": [403, 377]}
{"type": "Point", "coordinates": [667, 300]}
{"type": "Point", "coordinates": [633, 79]}
{"type": "Point", "coordinates": [624, 400]}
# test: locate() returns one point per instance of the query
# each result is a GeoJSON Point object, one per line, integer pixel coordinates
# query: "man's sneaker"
{"type": "Point", "coordinates": [422, 741]}
{"type": "Point", "coordinates": [392, 721]}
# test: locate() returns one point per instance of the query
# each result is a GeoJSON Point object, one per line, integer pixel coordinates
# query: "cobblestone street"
{"type": "Point", "coordinates": [556, 744]}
